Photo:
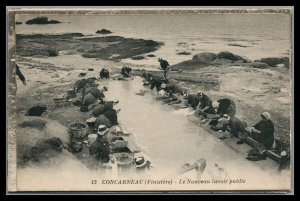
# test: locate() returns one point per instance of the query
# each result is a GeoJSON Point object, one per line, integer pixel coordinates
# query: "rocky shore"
{"type": "Point", "coordinates": [254, 88]}
{"type": "Point", "coordinates": [41, 20]}
{"type": "Point", "coordinates": [109, 47]}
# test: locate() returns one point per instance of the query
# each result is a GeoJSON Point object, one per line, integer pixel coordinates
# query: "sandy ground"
{"type": "Point", "coordinates": [253, 90]}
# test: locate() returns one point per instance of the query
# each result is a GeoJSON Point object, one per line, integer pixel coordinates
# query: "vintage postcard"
{"type": "Point", "coordinates": [139, 100]}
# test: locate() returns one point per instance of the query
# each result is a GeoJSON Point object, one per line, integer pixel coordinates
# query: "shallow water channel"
{"type": "Point", "coordinates": [167, 138]}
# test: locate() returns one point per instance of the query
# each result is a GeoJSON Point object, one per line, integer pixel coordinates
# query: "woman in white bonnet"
{"type": "Point", "coordinates": [263, 131]}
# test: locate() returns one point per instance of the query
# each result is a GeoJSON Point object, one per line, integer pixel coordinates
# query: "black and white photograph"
{"type": "Point", "coordinates": [150, 99]}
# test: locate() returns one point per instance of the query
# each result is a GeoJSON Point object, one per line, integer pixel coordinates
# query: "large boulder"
{"type": "Point", "coordinates": [52, 52]}
{"type": "Point", "coordinates": [184, 53]}
{"type": "Point", "coordinates": [273, 62]}
{"type": "Point", "coordinates": [36, 111]}
{"type": "Point", "coordinates": [205, 57]}
{"type": "Point", "coordinates": [42, 20]}
{"type": "Point", "coordinates": [257, 64]}
{"type": "Point", "coordinates": [189, 65]}
{"type": "Point", "coordinates": [103, 31]}
{"type": "Point", "coordinates": [137, 57]}
{"type": "Point", "coordinates": [230, 56]}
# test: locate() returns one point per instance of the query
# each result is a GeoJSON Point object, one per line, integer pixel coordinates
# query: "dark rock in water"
{"type": "Point", "coordinates": [81, 74]}
{"type": "Point", "coordinates": [231, 56]}
{"type": "Point", "coordinates": [52, 52]}
{"type": "Point", "coordinates": [273, 62]}
{"type": "Point", "coordinates": [276, 89]}
{"type": "Point", "coordinates": [18, 22]}
{"type": "Point", "coordinates": [205, 57]}
{"type": "Point", "coordinates": [257, 64]}
{"type": "Point", "coordinates": [184, 53]}
{"type": "Point", "coordinates": [36, 111]}
{"type": "Point", "coordinates": [103, 31]}
{"type": "Point", "coordinates": [90, 69]}
{"type": "Point", "coordinates": [184, 44]}
{"type": "Point", "coordinates": [151, 55]}
{"type": "Point", "coordinates": [42, 20]}
{"type": "Point", "coordinates": [138, 58]}
{"type": "Point", "coordinates": [237, 45]}
{"type": "Point", "coordinates": [34, 123]}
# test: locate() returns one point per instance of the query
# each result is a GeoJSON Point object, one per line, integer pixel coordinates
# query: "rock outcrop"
{"type": "Point", "coordinates": [257, 64]}
{"type": "Point", "coordinates": [230, 56]}
{"type": "Point", "coordinates": [108, 48]}
{"type": "Point", "coordinates": [103, 31]}
{"type": "Point", "coordinates": [205, 57]}
{"type": "Point", "coordinates": [137, 57]}
{"type": "Point", "coordinates": [273, 62]}
{"type": "Point", "coordinates": [184, 53]}
{"type": "Point", "coordinates": [42, 20]}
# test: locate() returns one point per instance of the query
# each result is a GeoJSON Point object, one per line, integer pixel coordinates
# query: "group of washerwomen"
{"type": "Point", "coordinates": [219, 115]}
{"type": "Point", "coordinates": [93, 100]}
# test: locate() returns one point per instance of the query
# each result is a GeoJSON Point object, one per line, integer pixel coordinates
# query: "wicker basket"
{"type": "Point", "coordinates": [124, 160]}
{"type": "Point", "coordinates": [77, 129]}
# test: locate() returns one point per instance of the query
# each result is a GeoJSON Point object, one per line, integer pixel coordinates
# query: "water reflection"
{"type": "Point", "coordinates": [167, 136]}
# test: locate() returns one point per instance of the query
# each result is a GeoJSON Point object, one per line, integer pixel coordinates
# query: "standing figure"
{"type": "Point", "coordinates": [20, 75]}
{"type": "Point", "coordinates": [165, 66]}
{"type": "Point", "coordinates": [104, 73]}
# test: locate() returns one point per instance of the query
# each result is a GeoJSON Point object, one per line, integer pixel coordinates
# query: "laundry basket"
{"type": "Point", "coordinates": [77, 130]}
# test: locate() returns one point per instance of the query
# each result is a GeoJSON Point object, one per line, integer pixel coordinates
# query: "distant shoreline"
{"type": "Point", "coordinates": [112, 48]}
{"type": "Point", "coordinates": [116, 48]}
